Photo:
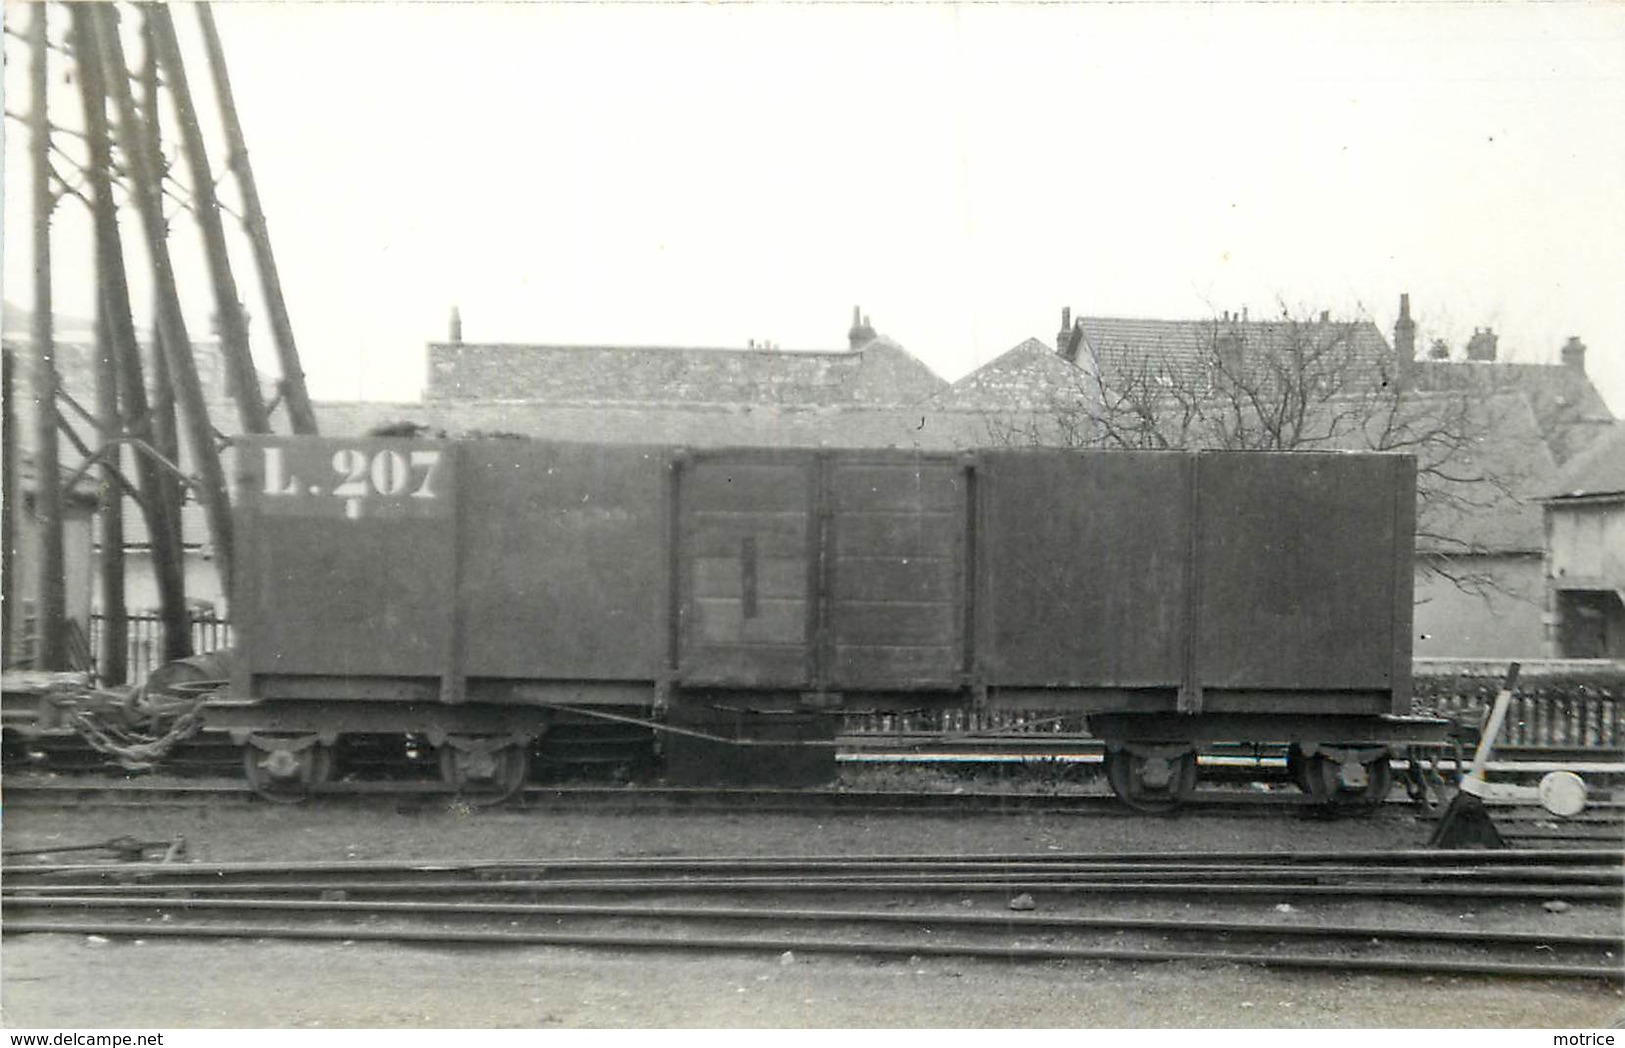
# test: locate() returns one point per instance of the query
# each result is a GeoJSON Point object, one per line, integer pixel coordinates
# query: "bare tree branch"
{"type": "Point", "coordinates": [1284, 385]}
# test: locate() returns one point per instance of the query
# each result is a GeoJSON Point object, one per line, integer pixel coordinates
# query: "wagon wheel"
{"type": "Point", "coordinates": [287, 775]}
{"type": "Point", "coordinates": [485, 774]}
{"type": "Point", "coordinates": [1151, 784]}
{"type": "Point", "coordinates": [1329, 784]}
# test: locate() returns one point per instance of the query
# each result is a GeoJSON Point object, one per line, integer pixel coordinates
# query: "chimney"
{"type": "Point", "coordinates": [1574, 355]}
{"type": "Point", "coordinates": [1070, 343]}
{"type": "Point", "coordinates": [456, 326]}
{"type": "Point", "coordinates": [861, 333]}
{"type": "Point", "coordinates": [1325, 316]}
{"type": "Point", "coordinates": [1481, 347]}
{"type": "Point", "coordinates": [1405, 341]}
{"type": "Point", "coordinates": [1063, 336]}
{"type": "Point", "coordinates": [1230, 351]}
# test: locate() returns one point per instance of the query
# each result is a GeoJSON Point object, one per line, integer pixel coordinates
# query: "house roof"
{"type": "Point", "coordinates": [1119, 341]}
{"type": "Point", "coordinates": [1027, 377]}
{"type": "Point", "coordinates": [75, 355]}
{"type": "Point", "coordinates": [1481, 495]}
{"type": "Point", "coordinates": [1568, 407]}
{"type": "Point", "coordinates": [1030, 375]}
{"type": "Point", "coordinates": [1598, 470]}
{"type": "Point", "coordinates": [878, 373]}
{"type": "Point", "coordinates": [17, 321]}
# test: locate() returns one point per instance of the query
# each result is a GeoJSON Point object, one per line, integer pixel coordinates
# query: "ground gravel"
{"type": "Point", "coordinates": [62, 981]}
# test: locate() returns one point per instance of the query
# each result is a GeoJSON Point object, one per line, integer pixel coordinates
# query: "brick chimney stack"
{"type": "Point", "coordinates": [1404, 341]}
{"type": "Point", "coordinates": [1070, 338]}
{"type": "Point", "coordinates": [456, 326]}
{"type": "Point", "coordinates": [1574, 354]}
{"type": "Point", "coordinates": [1481, 347]}
{"type": "Point", "coordinates": [861, 333]}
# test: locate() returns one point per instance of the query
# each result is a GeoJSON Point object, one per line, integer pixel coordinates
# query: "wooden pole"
{"type": "Point", "coordinates": [245, 386]}
{"type": "Point", "coordinates": [300, 414]}
{"type": "Point", "coordinates": [50, 609]}
{"type": "Point", "coordinates": [112, 655]}
{"type": "Point", "coordinates": [160, 498]}
{"type": "Point", "coordinates": [177, 344]}
{"type": "Point", "coordinates": [9, 490]}
{"type": "Point", "coordinates": [165, 435]}
{"type": "Point", "coordinates": [165, 430]}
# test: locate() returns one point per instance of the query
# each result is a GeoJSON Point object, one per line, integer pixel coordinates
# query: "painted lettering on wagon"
{"type": "Point", "coordinates": [357, 474]}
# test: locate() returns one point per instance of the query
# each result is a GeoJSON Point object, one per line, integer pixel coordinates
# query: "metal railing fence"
{"type": "Point", "coordinates": [145, 649]}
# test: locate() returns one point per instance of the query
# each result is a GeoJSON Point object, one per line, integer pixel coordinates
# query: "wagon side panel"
{"type": "Point", "coordinates": [350, 562]}
{"type": "Point", "coordinates": [1296, 585]}
{"type": "Point", "coordinates": [1085, 558]}
{"type": "Point", "coordinates": [895, 571]}
{"type": "Point", "coordinates": [563, 566]}
{"type": "Point", "coordinates": [746, 564]}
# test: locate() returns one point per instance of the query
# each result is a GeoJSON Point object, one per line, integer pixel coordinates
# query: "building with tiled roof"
{"type": "Point", "coordinates": [75, 355]}
{"type": "Point", "coordinates": [1194, 347]}
{"type": "Point", "coordinates": [1480, 541]}
{"type": "Point", "coordinates": [74, 341]}
{"type": "Point", "coordinates": [1567, 405]}
{"type": "Point", "coordinates": [871, 372]}
{"type": "Point", "coordinates": [1480, 534]}
{"type": "Point", "coordinates": [1028, 377]}
{"type": "Point", "coordinates": [1585, 542]}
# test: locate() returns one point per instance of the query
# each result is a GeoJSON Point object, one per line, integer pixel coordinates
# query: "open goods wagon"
{"type": "Point", "coordinates": [476, 594]}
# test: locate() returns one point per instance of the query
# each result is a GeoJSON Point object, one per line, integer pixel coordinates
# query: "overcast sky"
{"type": "Point", "coordinates": [709, 174]}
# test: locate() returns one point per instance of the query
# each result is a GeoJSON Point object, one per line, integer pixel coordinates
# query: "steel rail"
{"type": "Point", "coordinates": [392, 788]}
{"type": "Point", "coordinates": [1001, 921]}
{"type": "Point", "coordinates": [1550, 876]}
{"type": "Point", "coordinates": [1445, 858]}
{"type": "Point", "coordinates": [734, 797]}
{"type": "Point", "coordinates": [1011, 885]}
{"type": "Point", "coordinates": [723, 799]}
{"type": "Point", "coordinates": [837, 946]}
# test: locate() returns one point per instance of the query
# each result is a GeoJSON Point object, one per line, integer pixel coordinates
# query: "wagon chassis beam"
{"type": "Point", "coordinates": [670, 729]}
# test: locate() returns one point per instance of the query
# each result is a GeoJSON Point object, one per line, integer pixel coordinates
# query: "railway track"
{"type": "Point", "coordinates": [85, 791]}
{"type": "Point", "coordinates": [1034, 907]}
{"type": "Point", "coordinates": [1602, 824]}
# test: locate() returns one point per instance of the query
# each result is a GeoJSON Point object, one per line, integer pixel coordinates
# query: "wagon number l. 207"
{"type": "Point", "coordinates": [388, 472]}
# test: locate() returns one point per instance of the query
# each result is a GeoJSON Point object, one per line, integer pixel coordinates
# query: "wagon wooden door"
{"type": "Point", "coordinates": [746, 554]}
